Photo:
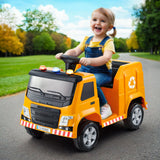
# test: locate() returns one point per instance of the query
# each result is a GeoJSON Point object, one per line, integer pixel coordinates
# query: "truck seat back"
{"type": "Point", "coordinates": [115, 67]}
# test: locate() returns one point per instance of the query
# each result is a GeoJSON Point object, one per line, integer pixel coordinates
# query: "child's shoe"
{"type": "Point", "coordinates": [105, 111]}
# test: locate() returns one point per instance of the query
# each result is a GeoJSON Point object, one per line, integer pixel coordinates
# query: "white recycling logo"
{"type": "Point", "coordinates": [132, 82]}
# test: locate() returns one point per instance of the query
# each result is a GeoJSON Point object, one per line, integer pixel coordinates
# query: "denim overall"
{"type": "Point", "coordinates": [102, 74]}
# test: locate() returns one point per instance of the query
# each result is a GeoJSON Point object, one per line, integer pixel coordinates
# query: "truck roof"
{"type": "Point", "coordinates": [58, 76]}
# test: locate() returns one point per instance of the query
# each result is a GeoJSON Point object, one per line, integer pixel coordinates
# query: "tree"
{"type": "Point", "coordinates": [10, 16]}
{"type": "Point", "coordinates": [120, 45]}
{"type": "Point", "coordinates": [43, 43]}
{"type": "Point", "coordinates": [74, 43]}
{"type": "Point", "coordinates": [60, 41]}
{"type": "Point", "coordinates": [21, 35]}
{"type": "Point", "coordinates": [148, 22]}
{"type": "Point", "coordinates": [38, 21]}
{"type": "Point", "coordinates": [68, 42]}
{"type": "Point", "coordinates": [29, 44]}
{"type": "Point", "coordinates": [132, 42]}
{"type": "Point", "coordinates": [9, 42]}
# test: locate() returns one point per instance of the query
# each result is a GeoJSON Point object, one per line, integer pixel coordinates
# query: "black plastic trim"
{"type": "Point", "coordinates": [59, 76]}
{"type": "Point", "coordinates": [115, 67]}
{"type": "Point", "coordinates": [45, 116]}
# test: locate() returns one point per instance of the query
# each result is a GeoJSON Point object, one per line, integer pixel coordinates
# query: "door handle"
{"type": "Point", "coordinates": [92, 103]}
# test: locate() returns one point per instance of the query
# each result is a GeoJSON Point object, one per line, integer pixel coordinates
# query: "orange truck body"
{"type": "Point", "coordinates": [127, 87]}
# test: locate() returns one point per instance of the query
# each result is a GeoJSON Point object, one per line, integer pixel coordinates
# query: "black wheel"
{"type": "Point", "coordinates": [88, 136]}
{"type": "Point", "coordinates": [34, 133]}
{"type": "Point", "coordinates": [135, 117]}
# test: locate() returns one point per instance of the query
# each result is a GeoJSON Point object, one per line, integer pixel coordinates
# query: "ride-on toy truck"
{"type": "Point", "coordinates": [67, 104]}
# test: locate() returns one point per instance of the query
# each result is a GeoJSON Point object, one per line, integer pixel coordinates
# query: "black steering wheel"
{"type": "Point", "coordinates": [70, 61]}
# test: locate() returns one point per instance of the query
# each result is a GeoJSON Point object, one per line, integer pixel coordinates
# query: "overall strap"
{"type": "Point", "coordinates": [101, 43]}
{"type": "Point", "coordinates": [104, 41]}
{"type": "Point", "coordinates": [88, 40]}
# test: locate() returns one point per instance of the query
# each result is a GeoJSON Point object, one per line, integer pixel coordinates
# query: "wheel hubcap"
{"type": "Point", "coordinates": [90, 136]}
{"type": "Point", "coordinates": [137, 116]}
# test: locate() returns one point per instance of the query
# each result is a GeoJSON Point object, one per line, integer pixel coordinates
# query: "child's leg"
{"type": "Point", "coordinates": [102, 98]}
{"type": "Point", "coordinates": [102, 78]}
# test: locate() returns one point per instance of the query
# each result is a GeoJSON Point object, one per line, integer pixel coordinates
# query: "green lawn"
{"type": "Point", "coordinates": [14, 71]}
{"type": "Point", "coordinates": [146, 55]}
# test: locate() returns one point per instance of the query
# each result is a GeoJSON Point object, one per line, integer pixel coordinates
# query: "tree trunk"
{"type": "Point", "coordinates": [151, 51]}
{"type": "Point", "coordinates": [5, 54]}
{"type": "Point", "coordinates": [156, 50]}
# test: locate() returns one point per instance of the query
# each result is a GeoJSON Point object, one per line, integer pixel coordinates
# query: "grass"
{"type": "Point", "coordinates": [146, 55]}
{"type": "Point", "coordinates": [115, 56]}
{"type": "Point", "coordinates": [14, 71]}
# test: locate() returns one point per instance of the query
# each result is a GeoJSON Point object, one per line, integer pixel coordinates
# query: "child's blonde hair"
{"type": "Point", "coordinates": [111, 18]}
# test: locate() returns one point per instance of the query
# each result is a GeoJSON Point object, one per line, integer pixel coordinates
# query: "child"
{"type": "Point", "coordinates": [98, 53]}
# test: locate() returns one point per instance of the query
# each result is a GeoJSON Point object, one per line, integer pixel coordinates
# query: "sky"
{"type": "Point", "coordinates": [73, 17]}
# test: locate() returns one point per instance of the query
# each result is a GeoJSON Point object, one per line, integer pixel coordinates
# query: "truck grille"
{"type": "Point", "coordinates": [48, 117]}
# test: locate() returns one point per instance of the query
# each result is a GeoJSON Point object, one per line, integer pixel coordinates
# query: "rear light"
{"type": "Point", "coordinates": [56, 70]}
{"type": "Point", "coordinates": [69, 71]}
{"type": "Point", "coordinates": [43, 68]}
{"type": "Point", "coordinates": [52, 69]}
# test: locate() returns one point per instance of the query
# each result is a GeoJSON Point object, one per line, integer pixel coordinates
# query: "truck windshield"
{"type": "Point", "coordinates": [50, 91]}
{"type": "Point", "coordinates": [52, 85]}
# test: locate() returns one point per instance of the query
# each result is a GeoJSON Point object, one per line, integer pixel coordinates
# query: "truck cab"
{"type": "Point", "coordinates": [67, 105]}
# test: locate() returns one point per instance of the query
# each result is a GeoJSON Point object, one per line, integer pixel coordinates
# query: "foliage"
{"type": "Point", "coordinates": [148, 22]}
{"type": "Point", "coordinates": [120, 45]}
{"type": "Point", "coordinates": [74, 43]}
{"type": "Point", "coordinates": [68, 42]}
{"type": "Point", "coordinates": [28, 39]}
{"type": "Point", "coordinates": [38, 21]}
{"type": "Point", "coordinates": [7, 16]}
{"type": "Point", "coordinates": [29, 44]}
{"type": "Point", "coordinates": [9, 42]}
{"type": "Point", "coordinates": [132, 42]}
{"type": "Point", "coordinates": [60, 40]}
{"type": "Point", "coordinates": [21, 35]}
{"type": "Point", "coordinates": [43, 43]}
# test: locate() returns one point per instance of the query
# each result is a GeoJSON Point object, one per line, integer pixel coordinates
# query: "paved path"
{"type": "Point", "coordinates": [115, 142]}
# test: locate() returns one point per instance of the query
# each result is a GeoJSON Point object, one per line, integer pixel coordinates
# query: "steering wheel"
{"type": "Point", "coordinates": [70, 61]}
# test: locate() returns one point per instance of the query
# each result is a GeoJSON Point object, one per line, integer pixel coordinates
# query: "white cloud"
{"type": "Point", "coordinates": [124, 27]}
{"type": "Point", "coordinates": [80, 27]}
{"type": "Point", "coordinates": [60, 16]}
{"type": "Point", "coordinates": [10, 16]}
{"type": "Point", "coordinates": [123, 22]}
{"type": "Point", "coordinates": [120, 12]}
{"type": "Point", "coordinates": [77, 30]}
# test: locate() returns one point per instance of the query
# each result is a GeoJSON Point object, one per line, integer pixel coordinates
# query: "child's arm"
{"type": "Point", "coordinates": [72, 52]}
{"type": "Point", "coordinates": [99, 61]}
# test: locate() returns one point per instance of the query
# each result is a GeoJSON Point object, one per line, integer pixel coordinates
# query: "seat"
{"type": "Point", "coordinates": [115, 67]}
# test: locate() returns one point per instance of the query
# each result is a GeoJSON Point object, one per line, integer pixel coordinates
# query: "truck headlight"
{"type": "Point", "coordinates": [26, 112]}
{"type": "Point", "coordinates": [64, 120]}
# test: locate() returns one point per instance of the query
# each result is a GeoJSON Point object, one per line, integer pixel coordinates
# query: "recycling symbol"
{"type": "Point", "coordinates": [132, 83]}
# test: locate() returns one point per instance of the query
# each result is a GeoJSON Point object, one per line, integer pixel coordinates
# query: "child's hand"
{"type": "Point", "coordinates": [85, 61]}
{"type": "Point", "coordinates": [58, 55]}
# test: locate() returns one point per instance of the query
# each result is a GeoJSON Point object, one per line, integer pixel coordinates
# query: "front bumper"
{"type": "Point", "coordinates": [45, 129]}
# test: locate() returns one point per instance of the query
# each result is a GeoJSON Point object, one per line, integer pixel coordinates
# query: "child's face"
{"type": "Point", "coordinates": [99, 24]}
